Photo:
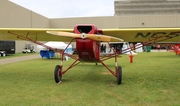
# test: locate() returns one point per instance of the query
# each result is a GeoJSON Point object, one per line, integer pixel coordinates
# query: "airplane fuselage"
{"type": "Point", "coordinates": [88, 50]}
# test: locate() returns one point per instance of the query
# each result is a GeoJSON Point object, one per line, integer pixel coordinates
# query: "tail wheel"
{"type": "Point", "coordinates": [58, 73]}
{"type": "Point", "coordinates": [119, 75]}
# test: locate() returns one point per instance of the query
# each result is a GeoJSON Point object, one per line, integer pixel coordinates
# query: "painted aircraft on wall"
{"type": "Point", "coordinates": [88, 38]}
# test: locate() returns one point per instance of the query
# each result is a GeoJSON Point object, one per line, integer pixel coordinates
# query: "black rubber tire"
{"type": "Point", "coordinates": [119, 75]}
{"type": "Point", "coordinates": [4, 54]}
{"type": "Point", "coordinates": [57, 76]}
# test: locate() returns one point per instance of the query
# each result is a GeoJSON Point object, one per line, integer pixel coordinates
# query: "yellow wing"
{"type": "Point", "coordinates": [128, 34]}
{"type": "Point", "coordinates": [144, 34]}
{"type": "Point", "coordinates": [34, 33]}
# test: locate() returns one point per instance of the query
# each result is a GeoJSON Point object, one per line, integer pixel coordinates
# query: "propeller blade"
{"type": "Point", "coordinates": [104, 38]}
{"type": "Point", "coordinates": [65, 34]}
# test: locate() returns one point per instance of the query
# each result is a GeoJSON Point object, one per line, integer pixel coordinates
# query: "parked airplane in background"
{"type": "Point", "coordinates": [88, 38]}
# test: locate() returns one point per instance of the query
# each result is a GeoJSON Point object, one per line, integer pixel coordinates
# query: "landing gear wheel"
{"type": "Point", "coordinates": [119, 75]}
{"type": "Point", "coordinates": [58, 74]}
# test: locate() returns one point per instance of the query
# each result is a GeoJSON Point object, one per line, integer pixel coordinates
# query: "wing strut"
{"type": "Point", "coordinates": [27, 38]}
{"type": "Point", "coordinates": [153, 40]}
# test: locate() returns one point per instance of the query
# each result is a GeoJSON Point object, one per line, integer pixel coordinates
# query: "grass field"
{"type": "Point", "coordinates": [153, 79]}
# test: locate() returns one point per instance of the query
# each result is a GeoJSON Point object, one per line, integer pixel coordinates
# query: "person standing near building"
{"type": "Point", "coordinates": [158, 47]}
{"type": "Point", "coordinates": [102, 47]}
{"type": "Point", "coordinates": [105, 48]}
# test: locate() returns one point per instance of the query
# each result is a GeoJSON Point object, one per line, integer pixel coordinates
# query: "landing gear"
{"type": "Point", "coordinates": [58, 74]}
{"type": "Point", "coordinates": [119, 75]}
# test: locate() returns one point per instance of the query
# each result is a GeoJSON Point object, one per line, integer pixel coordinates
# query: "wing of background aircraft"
{"type": "Point", "coordinates": [127, 34]}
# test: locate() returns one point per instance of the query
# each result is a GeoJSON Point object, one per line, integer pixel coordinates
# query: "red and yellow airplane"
{"type": "Point", "coordinates": [88, 38]}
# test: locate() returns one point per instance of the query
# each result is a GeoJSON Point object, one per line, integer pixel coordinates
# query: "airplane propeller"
{"type": "Point", "coordinates": [97, 37]}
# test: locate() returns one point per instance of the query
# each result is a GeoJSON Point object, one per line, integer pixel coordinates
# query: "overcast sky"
{"type": "Point", "coordinates": [69, 8]}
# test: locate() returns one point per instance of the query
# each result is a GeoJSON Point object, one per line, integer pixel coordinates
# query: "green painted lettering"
{"type": "Point", "coordinates": [142, 35]}
{"type": "Point", "coordinates": [157, 34]}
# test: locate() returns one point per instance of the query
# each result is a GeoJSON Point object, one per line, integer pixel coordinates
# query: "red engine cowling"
{"type": "Point", "coordinates": [88, 50]}
{"type": "Point", "coordinates": [85, 28]}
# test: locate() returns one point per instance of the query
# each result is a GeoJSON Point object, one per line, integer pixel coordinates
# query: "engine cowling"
{"type": "Point", "coordinates": [88, 50]}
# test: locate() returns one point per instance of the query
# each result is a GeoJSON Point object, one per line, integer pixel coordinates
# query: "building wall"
{"type": "Point", "coordinates": [120, 21]}
{"type": "Point", "coordinates": [39, 21]}
{"type": "Point", "coordinates": [101, 22]}
{"type": "Point", "coordinates": [15, 16]}
{"type": "Point", "coordinates": [12, 15]}
{"type": "Point", "coordinates": [153, 7]}
{"type": "Point", "coordinates": [149, 21]}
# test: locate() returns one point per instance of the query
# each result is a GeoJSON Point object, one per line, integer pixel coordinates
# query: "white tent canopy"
{"type": "Point", "coordinates": [57, 45]}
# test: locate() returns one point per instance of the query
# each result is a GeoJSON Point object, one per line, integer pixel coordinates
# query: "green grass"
{"type": "Point", "coordinates": [153, 79]}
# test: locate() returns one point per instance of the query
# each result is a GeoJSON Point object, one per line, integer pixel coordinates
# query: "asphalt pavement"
{"type": "Point", "coordinates": [17, 59]}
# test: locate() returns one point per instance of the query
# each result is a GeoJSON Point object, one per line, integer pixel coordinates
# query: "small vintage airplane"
{"type": "Point", "coordinates": [88, 38]}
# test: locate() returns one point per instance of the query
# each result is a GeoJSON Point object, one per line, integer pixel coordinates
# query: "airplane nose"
{"type": "Point", "coordinates": [83, 35]}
